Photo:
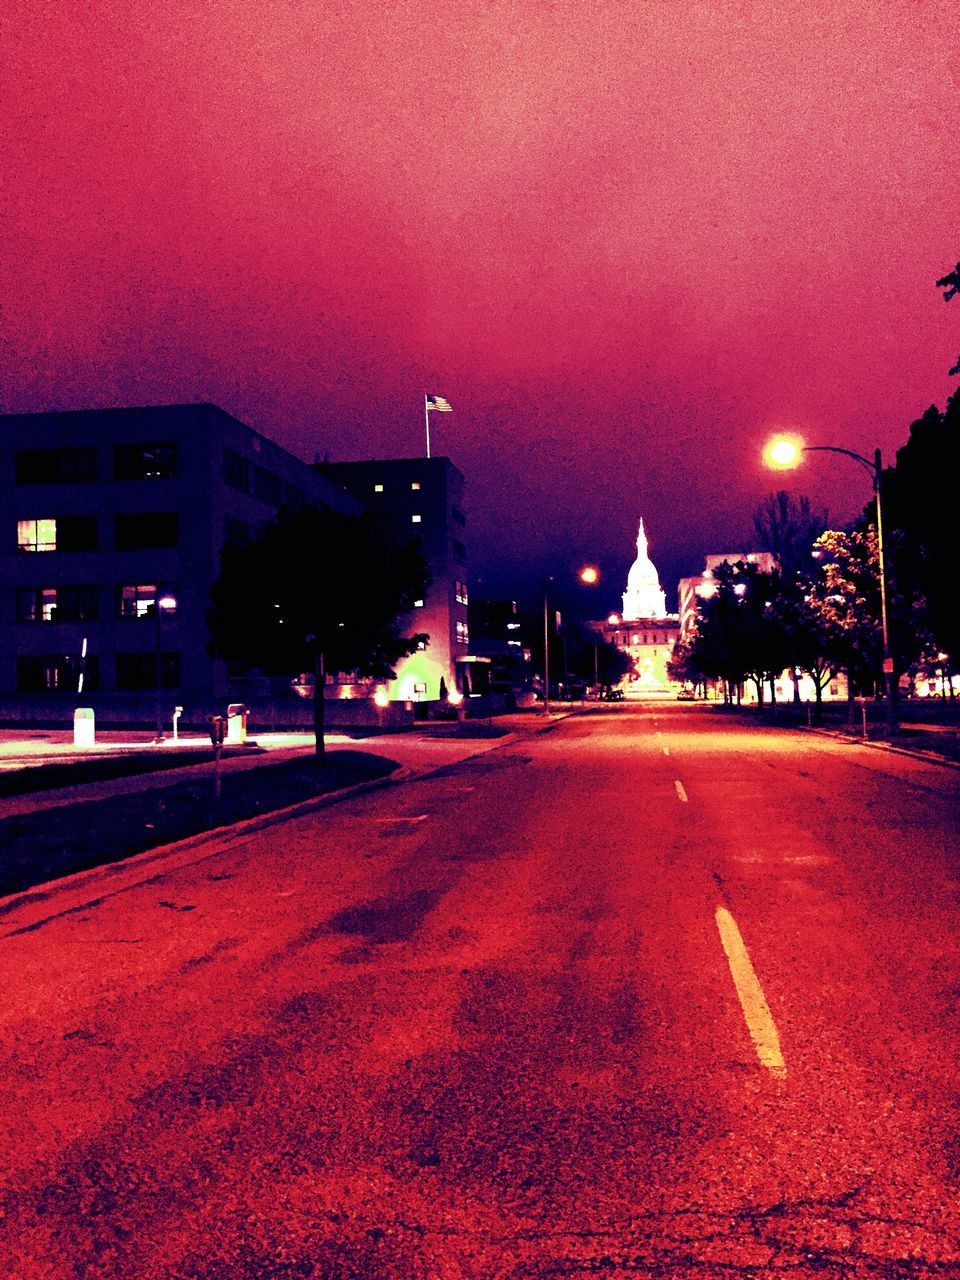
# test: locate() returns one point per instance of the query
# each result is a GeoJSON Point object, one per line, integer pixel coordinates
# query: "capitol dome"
{"type": "Point", "coordinates": [644, 597]}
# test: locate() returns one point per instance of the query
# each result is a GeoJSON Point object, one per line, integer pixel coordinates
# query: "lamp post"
{"type": "Point", "coordinates": [162, 604]}
{"type": "Point", "coordinates": [783, 453]}
{"type": "Point", "coordinates": [589, 575]}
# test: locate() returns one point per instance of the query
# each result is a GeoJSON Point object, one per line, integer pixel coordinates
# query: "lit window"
{"type": "Point", "coordinates": [139, 600]}
{"type": "Point", "coordinates": [416, 519]}
{"type": "Point", "coordinates": [415, 484]}
{"type": "Point", "coordinates": [37, 535]}
{"type": "Point", "coordinates": [635, 640]}
{"type": "Point", "coordinates": [463, 635]}
{"type": "Point", "coordinates": [418, 604]}
{"type": "Point", "coordinates": [378, 488]}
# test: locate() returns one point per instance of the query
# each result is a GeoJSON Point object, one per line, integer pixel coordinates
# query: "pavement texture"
{"type": "Point", "coordinates": [655, 993]}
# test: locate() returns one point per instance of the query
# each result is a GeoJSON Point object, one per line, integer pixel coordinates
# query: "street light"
{"type": "Point", "coordinates": [163, 604]}
{"type": "Point", "coordinates": [589, 575]}
{"type": "Point", "coordinates": [783, 453]}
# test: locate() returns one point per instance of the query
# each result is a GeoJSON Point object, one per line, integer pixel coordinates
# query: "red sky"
{"type": "Point", "coordinates": [623, 239]}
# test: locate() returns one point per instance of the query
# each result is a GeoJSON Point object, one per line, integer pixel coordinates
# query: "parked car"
{"type": "Point", "coordinates": [685, 695]}
{"type": "Point", "coordinates": [612, 695]}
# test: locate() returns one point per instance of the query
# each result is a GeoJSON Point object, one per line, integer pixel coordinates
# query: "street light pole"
{"type": "Point", "coordinates": [546, 650]}
{"type": "Point", "coordinates": [589, 575]}
{"type": "Point", "coordinates": [783, 453]}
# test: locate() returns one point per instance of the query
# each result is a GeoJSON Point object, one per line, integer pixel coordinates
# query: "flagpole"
{"type": "Point", "coordinates": [426, 414]}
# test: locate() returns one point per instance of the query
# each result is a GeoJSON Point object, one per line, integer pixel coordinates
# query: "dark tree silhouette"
{"type": "Point", "coordinates": [788, 527]}
{"type": "Point", "coordinates": [950, 284]}
{"type": "Point", "coordinates": [317, 590]}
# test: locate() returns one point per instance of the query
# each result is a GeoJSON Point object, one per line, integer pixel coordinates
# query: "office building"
{"type": "Point", "coordinates": [113, 525]}
{"type": "Point", "coordinates": [423, 499]}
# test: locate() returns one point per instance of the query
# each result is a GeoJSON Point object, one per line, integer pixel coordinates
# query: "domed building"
{"type": "Point", "coordinates": [644, 629]}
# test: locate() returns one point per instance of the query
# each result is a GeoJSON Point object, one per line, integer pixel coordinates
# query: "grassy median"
{"type": "Point", "coordinates": [50, 843]}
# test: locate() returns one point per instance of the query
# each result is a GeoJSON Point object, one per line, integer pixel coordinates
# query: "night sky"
{"type": "Point", "coordinates": [624, 240]}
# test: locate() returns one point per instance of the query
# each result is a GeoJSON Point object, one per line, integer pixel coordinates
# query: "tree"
{"type": "Point", "coordinates": [950, 284]}
{"type": "Point", "coordinates": [845, 601]}
{"type": "Point", "coordinates": [739, 633]}
{"type": "Point", "coordinates": [788, 528]}
{"type": "Point", "coordinates": [922, 510]}
{"type": "Point", "coordinates": [317, 590]}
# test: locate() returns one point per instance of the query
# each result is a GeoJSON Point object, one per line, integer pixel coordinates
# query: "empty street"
{"type": "Point", "coordinates": [658, 992]}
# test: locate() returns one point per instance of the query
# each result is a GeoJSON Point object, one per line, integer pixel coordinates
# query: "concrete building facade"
{"type": "Point", "coordinates": [108, 513]}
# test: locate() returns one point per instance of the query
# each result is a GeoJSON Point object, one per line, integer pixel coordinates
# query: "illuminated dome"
{"type": "Point", "coordinates": [644, 597]}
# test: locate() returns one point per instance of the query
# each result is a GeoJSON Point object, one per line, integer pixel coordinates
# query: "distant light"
{"type": "Point", "coordinates": [613, 620]}
{"type": "Point", "coordinates": [707, 589]}
{"type": "Point", "coordinates": [167, 602]}
{"type": "Point", "coordinates": [589, 574]}
{"type": "Point", "coordinates": [740, 588]}
{"type": "Point", "coordinates": [454, 697]}
{"type": "Point", "coordinates": [380, 697]}
{"type": "Point", "coordinates": [782, 453]}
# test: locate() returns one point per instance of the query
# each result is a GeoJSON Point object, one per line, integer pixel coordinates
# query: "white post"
{"type": "Point", "coordinates": [426, 414]}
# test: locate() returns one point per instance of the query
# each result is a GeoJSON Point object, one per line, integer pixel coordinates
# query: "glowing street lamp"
{"type": "Point", "coordinates": [786, 452]}
{"type": "Point", "coordinates": [590, 575]}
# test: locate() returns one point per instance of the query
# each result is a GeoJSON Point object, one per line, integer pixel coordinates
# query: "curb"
{"type": "Point", "coordinates": [914, 753]}
{"type": "Point", "coordinates": [189, 844]}
{"type": "Point", "coordinates": [80, 880]}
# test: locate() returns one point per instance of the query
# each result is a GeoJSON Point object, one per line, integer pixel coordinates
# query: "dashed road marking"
{"type": "Point", "coordinates": [420, 817]}
{"type": "Point", "coordinates": [666, 751]}
{"type": "Point", "coordinates": [681, 791]}
{"type": "Point", "coordinates": [756, 1011]}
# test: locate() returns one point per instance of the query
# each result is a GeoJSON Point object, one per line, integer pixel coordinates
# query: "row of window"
{"type": "Point", "coordinates": [140, 531]}
{"type": "Point", "coordinates": [414, 485]}
{"type": "Point", "coordinates": [640, 637]}
{"type": "Point", "coordinates": [82, 603]}
{"type": "Point", "coordinates": [154, 461]}
{"type": "Point", "coordinates": [47, 673]}
{"type": "Point", "coordinates": [247, 477]}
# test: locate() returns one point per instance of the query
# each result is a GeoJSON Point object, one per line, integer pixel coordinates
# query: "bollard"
{"type": "Point", "coordinates": [84, 731]}
{"type": "Point", "coordinates": [236, 724]}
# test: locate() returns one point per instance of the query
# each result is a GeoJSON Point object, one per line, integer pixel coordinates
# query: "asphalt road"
{"type": "Point", "coordinates": [654, 994]}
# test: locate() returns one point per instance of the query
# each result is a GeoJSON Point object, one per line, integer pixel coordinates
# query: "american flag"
{"type": "Point", "coordinates": [438, 403]}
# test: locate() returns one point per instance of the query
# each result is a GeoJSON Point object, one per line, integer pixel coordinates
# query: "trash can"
{"type": "Point", "coordinates": [84, 732]}
{"type": "Point", "coordinates": [236, 724]}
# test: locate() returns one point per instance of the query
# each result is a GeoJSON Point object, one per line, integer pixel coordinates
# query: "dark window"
{"type": "Point", "coordinates": [76, 533]}
{"type": "Point", "coordinates": [459, 550]}
{"type": "Point", "coordinates": [237, 532]}
{"type": "Point", "coordinates": [138, 600]}
{"type": "Point", "coordinates": [458, 515]}
{"type": "Point", "coordinates": [39, 674]}
{"type": "Point", "coordinates": [56, 466]}
{"type": "Point", "coordinates": [294, 497]}
{"type": "Point", "coordinates": [139, 670]}
{"type": "Point", "coordinates": [236, 471]}
{"type": "Point", "coordinates": [145, 531]}
{"type": "Point", "coordinates": [144, 461]}
{"type": "Point", "coordinates": [266, 486]}
{"type": "Point", "coordinates": [57, 604]}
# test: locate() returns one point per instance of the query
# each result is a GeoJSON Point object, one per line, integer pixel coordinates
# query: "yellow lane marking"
{"type": "Point", "coordinates": [756, 1011]}
{"type": "Point", "coordinates": [666, 751]}
{"type": "Point", "coordinates": [681, 791]}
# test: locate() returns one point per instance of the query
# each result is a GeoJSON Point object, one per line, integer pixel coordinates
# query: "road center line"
{"type": "Point", "coordinates": [666, 751]}
{"type": "Point", "coordinates": [756, 1011]}
{"type": "Point", "coordinates": [681, 792]}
